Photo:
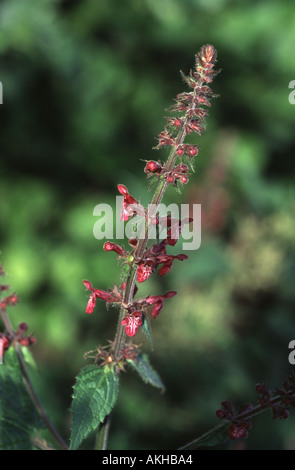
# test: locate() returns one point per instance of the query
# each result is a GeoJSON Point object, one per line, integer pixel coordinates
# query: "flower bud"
{"type": "Point", "coordinates": [193, 151]}
{"type": "Point", "coordinates": [153, 167]}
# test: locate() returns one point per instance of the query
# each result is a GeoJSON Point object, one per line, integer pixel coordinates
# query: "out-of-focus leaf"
{"type": "Point", "coordinates": [19, 420]}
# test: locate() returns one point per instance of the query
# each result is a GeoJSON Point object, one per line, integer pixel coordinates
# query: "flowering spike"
{"type": "Point", "coordinates": [143, 260]}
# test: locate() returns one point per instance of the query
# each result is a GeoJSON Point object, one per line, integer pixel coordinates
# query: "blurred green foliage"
{"type": "Point", "coordinates": [85, 88]}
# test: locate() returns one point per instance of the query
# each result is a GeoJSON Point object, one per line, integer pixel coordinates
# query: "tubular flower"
{"type": "Point", "coordinates": [109, 246]}
{"type": "Point", "coordinates": [158, 302]}
{"type": "Point", "coordinates": [129, 204]}
{"type": "Point", "coordinates": [113, 296]}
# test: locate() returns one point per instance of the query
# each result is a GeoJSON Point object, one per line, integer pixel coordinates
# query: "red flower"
{"type": "Point", "coordinates": [144, 271]}
{"type": "Point", "coordinates": [170, 179]}
{"type": "Point", "coordinates": [9, 300]}
{"type": "Point", "coordinates": [155, 256]}
{"type": "Point", "coordinates": [4, 344]}
{"type": "Point", "coordinates": [165, 139]}
{"type": "Point", "coordinates": [109, 246]}
{"type": "Point", "coordinates": [158, 302]}
{"type": "Point", "coordinates": [153, 167]}
{"type": "Point", "coordinates": [27, 341]}
{"type": "Point", "coordinates": [91, 303]}
{"type": "Point", "coordinates": [132, 323]}
{"type": "Point", "coordinates": [239, 430]}
{"type": "Point", "coordinates": [128, 203]}
{"type": "Point", "coordinates": [113, 296]}
{"type": "Point", "coordinates": [168, 262]}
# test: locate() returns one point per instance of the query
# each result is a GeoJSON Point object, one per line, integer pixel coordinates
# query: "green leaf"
{"type": "Point", "coordinates": [18, 417]}
{"type": "Point", "coordinates": [147, 331]}
{"type": "Point", "coordinates": [147, 373]}
{"type": "Point", "coordinates": [95, 394]}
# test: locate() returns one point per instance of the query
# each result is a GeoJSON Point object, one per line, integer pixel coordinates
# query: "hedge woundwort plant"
{"type": "Point", "coordinates": [96, 386]}
{"type": "Point", "coordinates": [142, 260]}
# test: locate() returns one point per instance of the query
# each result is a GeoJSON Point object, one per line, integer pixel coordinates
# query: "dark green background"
{"type": "Point", "coordinates": [85, 88]}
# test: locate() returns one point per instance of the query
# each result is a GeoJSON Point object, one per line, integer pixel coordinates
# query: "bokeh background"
{"type": "Point", "coordinates": [85, 89]}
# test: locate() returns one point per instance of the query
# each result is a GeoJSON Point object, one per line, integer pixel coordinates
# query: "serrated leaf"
{"type": "Point", "coordinates": [18, 417]}
{"type": "Point", "coordinates": [147, 331]}
{"type": "Point", "coordinates": [95, 394]}
{"type": "Point", "coordinates": [146, 371]}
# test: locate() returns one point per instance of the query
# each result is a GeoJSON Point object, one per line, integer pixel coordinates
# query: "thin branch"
{"type": "Point", "coordinates": [244, 416]}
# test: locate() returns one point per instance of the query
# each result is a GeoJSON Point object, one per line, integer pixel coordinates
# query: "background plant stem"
{"type": "Point", "coordinates": [30, 386]}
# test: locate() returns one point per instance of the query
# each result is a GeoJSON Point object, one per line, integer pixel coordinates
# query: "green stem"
{"type": "Point", "coordinates": [102, 434]}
